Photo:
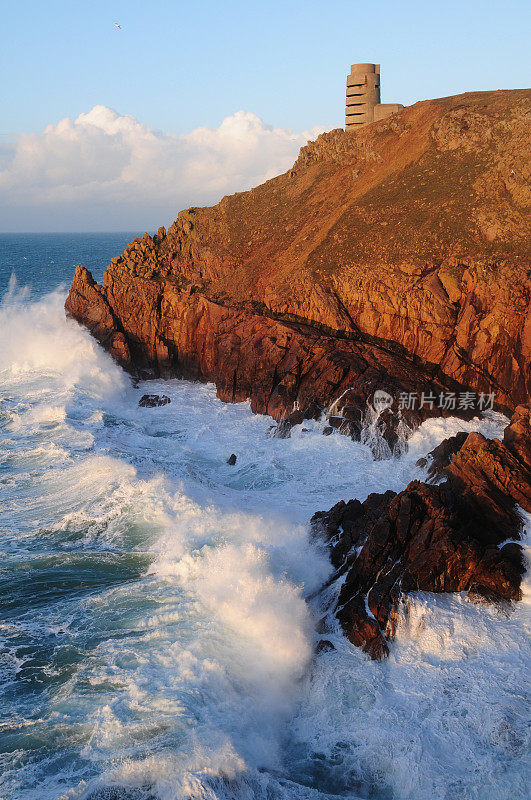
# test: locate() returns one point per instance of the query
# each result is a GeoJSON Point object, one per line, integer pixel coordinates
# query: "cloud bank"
{"type": "Point", "coordinates": [104, 167]}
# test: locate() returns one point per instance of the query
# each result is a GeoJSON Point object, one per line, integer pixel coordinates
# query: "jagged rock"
{"type": "Point", "coordinates": [440, 456]}
{"type": "Point", "coordinates": [153, 400]}
{"type": "Point", "coordinates": [443, 538]}
{"type": "Point", "coordinates": [517, 435]}
{"type": "Point", "coordinates": [231, 460]}
{"type": "Point", "coordinates": [281, 431]}
{"type": "Point", "coordinates": [361, 629]}
{"type": "Point", "coordinates": [413, 278]}
{"type": "Point", "coordinates": [296, 418]}
{"type": "Point", "coordinates": [489, 479]}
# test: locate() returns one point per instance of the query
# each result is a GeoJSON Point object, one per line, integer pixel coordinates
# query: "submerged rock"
{"type": "Point", "coordinates": [153, 400]}
{"type": "Point", "coordinates": [324, 646]}
{"type": "Point", "coordinates": [282, 430]}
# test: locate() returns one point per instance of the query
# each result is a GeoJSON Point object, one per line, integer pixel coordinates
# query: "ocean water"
{"type": "Point", "coordinates": [157, 613]}
{"type": "Point", "coordinates": [44, 261]}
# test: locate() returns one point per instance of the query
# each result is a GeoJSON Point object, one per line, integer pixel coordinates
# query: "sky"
{"type": "Point", "coordinates": [106, 128]}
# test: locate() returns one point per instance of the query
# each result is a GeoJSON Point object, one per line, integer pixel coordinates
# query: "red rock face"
{"type": "Point", "coordinates": [394, 257]}
{"type": "Point", "coordinates": [280, 366]}
{"type": "Point", "coordinates": [443, 538]}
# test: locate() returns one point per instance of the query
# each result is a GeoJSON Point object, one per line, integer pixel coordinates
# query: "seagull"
{"type": "Point", "coordinates": [116, 25]}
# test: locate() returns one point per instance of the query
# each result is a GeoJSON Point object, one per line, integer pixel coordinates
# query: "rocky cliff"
{"type": "Point", "coordinates": [394, 257]}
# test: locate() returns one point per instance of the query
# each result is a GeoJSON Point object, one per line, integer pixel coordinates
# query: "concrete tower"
{"type": "Point", "coordinates": [363, 97]}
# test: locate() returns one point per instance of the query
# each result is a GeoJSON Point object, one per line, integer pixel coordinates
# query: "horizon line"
{"type": "Point", "coordinates": [63, 233]}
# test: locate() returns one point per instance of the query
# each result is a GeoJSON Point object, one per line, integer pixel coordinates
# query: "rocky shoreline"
{"type": "Point", "coordinates": [456, 535]}
{"type": "Point", "coordinates": [393, 260]}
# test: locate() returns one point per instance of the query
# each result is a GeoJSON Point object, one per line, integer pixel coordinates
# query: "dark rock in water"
{"type": "Point", "coordinates": [443, 538]}
{"type": "Point", "coordinates": [361, 628]}
{"type": "Point", "coordinates": [296, 418]}
{"type": "Point", "coordinates": [346, 426]}
{"type": "Point", "coordinates": [153, 400]}
{"type": "Point", "coordinates": [323, 625]}
{"type": "Point", "coordinates": [327, 430]}
{"type": "Point", "coordinates": [283, 429]}
{"type": "Point", "coordinates": [352, 409]}
{"type": "Point", "coordinates": [324, 646]}
{"type": "Point", "coordinates": [231, 460]}
{"type": "Point", "coordinates": [366, 419]}
{"type": "Point", "coordinates": [388, 423]}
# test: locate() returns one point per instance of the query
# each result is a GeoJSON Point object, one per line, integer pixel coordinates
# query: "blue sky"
{"type": "Point", "coordinates": [177, 66]}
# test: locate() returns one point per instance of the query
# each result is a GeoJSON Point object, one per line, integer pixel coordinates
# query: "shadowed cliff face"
{"type": "Point", "coordinates": [393, 257]}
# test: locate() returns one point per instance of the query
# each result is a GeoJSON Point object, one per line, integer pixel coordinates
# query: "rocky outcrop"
{"type": "Point", "coordinates": [449, 537]}
{"type": "Point", "coordinates": [393, 257]}
{"type": "Point", "coordinates": [441, 456]}
{"type": "Point", "coordinates": [87, 302]}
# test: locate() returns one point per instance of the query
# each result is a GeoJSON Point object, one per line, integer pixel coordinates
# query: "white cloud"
{"type": "Point", "coordinates": [104, 159]}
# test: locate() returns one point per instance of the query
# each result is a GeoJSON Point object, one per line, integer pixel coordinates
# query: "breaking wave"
{"type": "Point", "coordinates": [157, 640]}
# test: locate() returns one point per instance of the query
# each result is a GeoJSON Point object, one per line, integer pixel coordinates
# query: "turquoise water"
{"type": "Point", "coordinates": [156, 636]}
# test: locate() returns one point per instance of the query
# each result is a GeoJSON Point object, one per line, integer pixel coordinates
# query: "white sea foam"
{"type": "Point", "coordinates": [164, 593]}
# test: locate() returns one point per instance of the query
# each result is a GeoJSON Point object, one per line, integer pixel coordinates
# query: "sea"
{"type": "Point", "coordinates": [160, 609]}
